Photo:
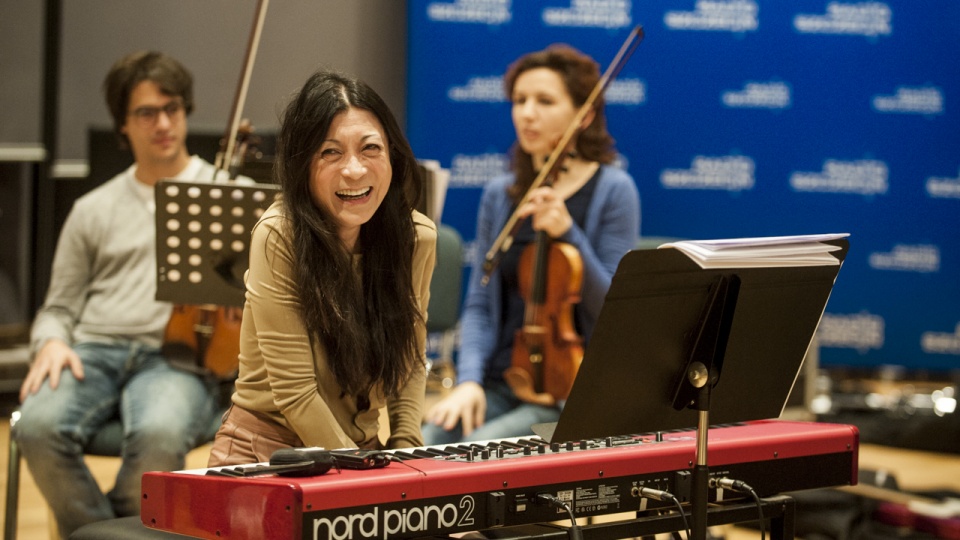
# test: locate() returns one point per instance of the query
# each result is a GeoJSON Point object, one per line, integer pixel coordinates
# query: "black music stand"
{"type": "Point", "coordinates": [677, 346]}
{"type": "Point", "coordinates": [203, 234]}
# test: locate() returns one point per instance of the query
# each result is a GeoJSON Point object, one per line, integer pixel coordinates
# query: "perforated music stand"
{"type": "Point", "coordinates": [677, 346]}
{"type": "Point", "coordinates": [203, 235]}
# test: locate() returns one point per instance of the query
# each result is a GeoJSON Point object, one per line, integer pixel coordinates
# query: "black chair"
{"type": "Point", "coordinates": [128, 528]}
{"type": "Point", "coordinates": [445, 299]}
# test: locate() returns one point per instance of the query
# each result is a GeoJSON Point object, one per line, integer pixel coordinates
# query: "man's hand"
{"type": "Point", "coordinates": [466, 404]}
{"type": "Point", "coordinates": [51, 359]}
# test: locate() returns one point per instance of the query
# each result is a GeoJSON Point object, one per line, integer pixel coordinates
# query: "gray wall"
{"type": "Point", "coordinates": [366, 38]}
{"type": "Point", "coordinates": [21, 41]}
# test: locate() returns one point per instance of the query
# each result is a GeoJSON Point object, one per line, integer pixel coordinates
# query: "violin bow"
{"type": "Point", "coordinates": [226, 157]}
{"type": "Point", "coordinates": [505, 239]}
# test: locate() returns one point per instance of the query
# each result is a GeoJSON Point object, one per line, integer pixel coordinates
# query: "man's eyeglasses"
{"type": "Point", "coordinates": [149, 115]}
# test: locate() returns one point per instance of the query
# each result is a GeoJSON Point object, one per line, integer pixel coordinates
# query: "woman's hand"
{"type": "Point", "coordinates": [466, 404]}
{"type": "Point", "coordinates": [52, 357]}
{"type": "Point", "coordinates": [549, 212]}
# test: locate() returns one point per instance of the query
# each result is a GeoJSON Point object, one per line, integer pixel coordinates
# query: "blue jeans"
{"type": "Point", "coordinates": [506, 417]}
{"type": "Point", "coordinates": [164, 412]}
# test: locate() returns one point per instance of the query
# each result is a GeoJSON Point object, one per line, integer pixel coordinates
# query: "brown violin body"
{"type": "Point", "coordinates": [207, 337]}
{"type": "Point", "coordinates": [547, 351]}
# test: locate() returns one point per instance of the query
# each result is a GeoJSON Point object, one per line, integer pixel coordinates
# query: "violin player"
{"type": "Point", "coordinates": [591, 205]}
{"type": "Point", "coordinates": [95, 343]}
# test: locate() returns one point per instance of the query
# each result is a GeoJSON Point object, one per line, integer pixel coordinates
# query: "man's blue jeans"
{"type": "Point", "coordinates": [506, 417]}
{"type": "Point", "coordinates": [164, 412]}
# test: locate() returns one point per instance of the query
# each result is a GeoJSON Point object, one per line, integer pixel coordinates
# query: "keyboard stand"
{"type": "Point", "coordinates": [779, 512]}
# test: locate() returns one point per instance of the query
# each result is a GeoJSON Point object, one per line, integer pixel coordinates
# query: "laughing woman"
{"type": "Point", "coordinates": [334, 320]}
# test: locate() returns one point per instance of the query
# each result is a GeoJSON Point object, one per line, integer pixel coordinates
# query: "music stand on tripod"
{"type": "Point", "coordinates": [203, 234]}
{"type": "Point", "coordinates": [678, 346]}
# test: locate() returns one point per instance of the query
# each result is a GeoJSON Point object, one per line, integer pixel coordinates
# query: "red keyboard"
{"type": "Point", "coordinates": [447, 489]}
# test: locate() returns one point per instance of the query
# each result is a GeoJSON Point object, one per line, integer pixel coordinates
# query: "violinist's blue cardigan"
{"type": "Point", "coordinates": [612, 228]}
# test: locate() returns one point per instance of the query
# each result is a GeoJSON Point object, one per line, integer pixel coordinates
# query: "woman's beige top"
{"type": "Point", "coordinates": [286, 376]}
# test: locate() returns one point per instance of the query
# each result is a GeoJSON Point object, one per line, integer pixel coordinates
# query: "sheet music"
{"type": "Point", "coordinates": [761, 252]}
{"type": "Point", "coordinates": [436, 182]}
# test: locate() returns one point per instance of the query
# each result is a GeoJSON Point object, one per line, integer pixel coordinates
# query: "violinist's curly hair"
{"type": "Point", "coordinates": [367, 325]}
{"type": "Point", "coordinates": [580, 75]}
{"type": "Point", "coordinates": [126, 73]}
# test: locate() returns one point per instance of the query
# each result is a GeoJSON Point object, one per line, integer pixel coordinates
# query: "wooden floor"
{"type": "Point", "coordinates": [914, 470]}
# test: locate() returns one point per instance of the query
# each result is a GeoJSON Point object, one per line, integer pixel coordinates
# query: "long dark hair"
{"type": "Point", "coordinates": [366, 324]}
{"type": "Point", "coordinates": [580, 75]}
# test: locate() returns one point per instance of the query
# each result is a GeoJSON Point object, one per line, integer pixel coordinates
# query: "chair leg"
{"type": "Point", "coordinates": [13, 484]}
{"type": "Point", "coordinates": [448, 373]}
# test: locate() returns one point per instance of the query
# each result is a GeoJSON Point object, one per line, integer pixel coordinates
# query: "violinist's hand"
{"type": "Point", "coordinates": [549, 212]}
{"type": "Point", "coordinates": [51, 359]}
{"type": "Point", "coordinates": [466, 404]}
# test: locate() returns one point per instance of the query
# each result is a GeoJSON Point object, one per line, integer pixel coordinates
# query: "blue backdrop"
{"type": "Point", "coordinates": [744, 118]}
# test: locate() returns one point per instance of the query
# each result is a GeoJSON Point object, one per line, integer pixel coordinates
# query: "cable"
{"type": "Point", "coordinates": [395, 459]}
{"type": "Point", "coordinates": [742, 487]}
{"type": "Point", "coordinates": [756, 499]}
{"type": "Point", "coordinates": [574, 531]}
{"type": "Point", "coordinates": [683, 515]}
{"type": "Point", "coordinates": [666, 496]}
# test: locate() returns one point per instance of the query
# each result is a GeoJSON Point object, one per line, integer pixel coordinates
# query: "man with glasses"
{"type": "Point", "coordinates": [96, 340]}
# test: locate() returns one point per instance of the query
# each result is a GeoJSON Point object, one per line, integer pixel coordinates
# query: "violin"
{"type": "Point", "coordinates": [547, 351]}
{"type": "Point", "coordinates": [208, 336]}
